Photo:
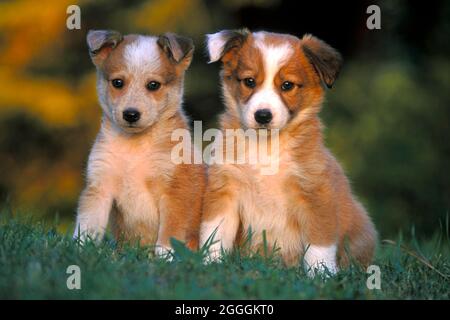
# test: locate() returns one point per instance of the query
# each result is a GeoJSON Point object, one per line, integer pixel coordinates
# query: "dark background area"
{"type": "Point", "coordinates": [387, 118]}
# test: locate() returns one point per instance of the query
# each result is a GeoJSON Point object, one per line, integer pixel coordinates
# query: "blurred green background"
{"type": "Point", "coordinates": [387, 118]}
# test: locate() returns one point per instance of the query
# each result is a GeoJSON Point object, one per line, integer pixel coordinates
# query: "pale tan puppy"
{"type": "Point", "coordinates": [276, 81]}
{"type": "Point", "coordinates": [131, 179]}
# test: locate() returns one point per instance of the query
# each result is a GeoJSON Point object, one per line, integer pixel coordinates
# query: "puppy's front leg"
{"type": "Point", "coordinates": [180, 209]}
{"type": "Point", "coordinates": [220, 221]}
{"type": "Point", "coordinates": [321, 234]}
{"type": "Point", "coordinates": [170, 226]}
{"type": "Point", "coordinates": [93, 213]}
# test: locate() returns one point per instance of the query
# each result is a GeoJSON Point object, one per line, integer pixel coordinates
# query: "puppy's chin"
{"type": "Point", "coordinates": [257, 126]}
{"type": "Point", "coordinates": [133, 128]}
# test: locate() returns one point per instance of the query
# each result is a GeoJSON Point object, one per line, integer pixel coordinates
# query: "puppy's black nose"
{"type": "Point", "coordinates": [131, 115]}
{"type": "Point", "coordinates": [263, 116]}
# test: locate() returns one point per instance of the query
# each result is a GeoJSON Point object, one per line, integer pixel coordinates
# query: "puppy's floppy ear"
{"type": "Point", "coordinates": [179, 49]}
{"type": "Point", "coordinates": [101, 43]}
{"type": "Point", "coordinates": [222, 42]}
{"type": "Point", "coordinates": [326, 61]}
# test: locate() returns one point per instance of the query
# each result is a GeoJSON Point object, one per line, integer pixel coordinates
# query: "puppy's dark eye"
{"type": "Point", "coordinates": [250, 82]}
{"type": "Point", "coordinates": [287, 85]}
{"type": "Point", "coordinates": [117, 83]}
{"type": "Point", "coordinates": [153, 85]}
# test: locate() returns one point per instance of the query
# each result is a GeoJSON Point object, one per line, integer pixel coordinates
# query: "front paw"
{"type": "Point", "coordinates": [164, 252]}
{"type": "Point", "coordinates": [320, 260]}
{"type": "Point", "coordinates": [83, 237]}
{"type": "Point", "coordinates": [322, 269]}
{"type": "Point", "coordinates": [213, 256]}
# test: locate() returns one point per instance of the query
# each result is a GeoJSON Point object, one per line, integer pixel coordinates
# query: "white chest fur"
{"type": "Point", "coordinates": [264, 206]}
{"type": "Point", "coordinates": [133, 198]}
{"type": "Point", "coordinates": [133, 173]}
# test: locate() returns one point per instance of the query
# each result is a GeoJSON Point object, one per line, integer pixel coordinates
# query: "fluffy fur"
{"type": "Point", "coordinates": [131, 180]}
{"type": "Point", "coordinates": [307, 208]}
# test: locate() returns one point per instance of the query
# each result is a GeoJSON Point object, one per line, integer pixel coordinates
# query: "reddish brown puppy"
{"type": "Point", "coordinates": [131, 178]}
{"type": "Point", "coordinates": [276, 81]}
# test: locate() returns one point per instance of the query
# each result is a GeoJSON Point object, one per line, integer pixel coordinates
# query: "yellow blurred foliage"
{"type": "Point", "coordinates": [60, 182]}
{"type": "Point", "coordinates": [160, 16]}
{"type": "Point", "coordinates": [28, 26]}
{"type": "Point", "coordinates": [28, 29]}
{"type": "Point", "coordinates": [49, 99]}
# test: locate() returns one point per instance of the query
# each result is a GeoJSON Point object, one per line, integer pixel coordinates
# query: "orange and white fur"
{"type": "Point", "coordinates": [131, 180]}
{"type": "Point", "coordinates": [276, 81]}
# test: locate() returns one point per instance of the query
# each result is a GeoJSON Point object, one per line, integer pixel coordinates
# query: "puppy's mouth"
{"type": "Point", "coordinates": [255, 126]}
{"type": "Point", "coordinates": [258, 126]}
{"type": "Point", "coordinates": [133, 128]}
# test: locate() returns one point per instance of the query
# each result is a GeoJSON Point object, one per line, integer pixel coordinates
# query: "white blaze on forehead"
{"type": "Point", "coordinates": [274, 56]}
{"type": "Point", "coordinates": [142, 54]}
{"type": "Point", "coordinates": [267, 97]}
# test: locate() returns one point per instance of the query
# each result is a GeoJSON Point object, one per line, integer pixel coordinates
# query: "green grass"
{"type": "Point", "coordinates": [34, 259]}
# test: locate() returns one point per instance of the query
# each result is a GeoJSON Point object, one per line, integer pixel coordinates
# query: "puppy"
{"type": "Point", "coordinates": [274, 82]}
{"type": "Point", "coordinates": [131, 180]}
